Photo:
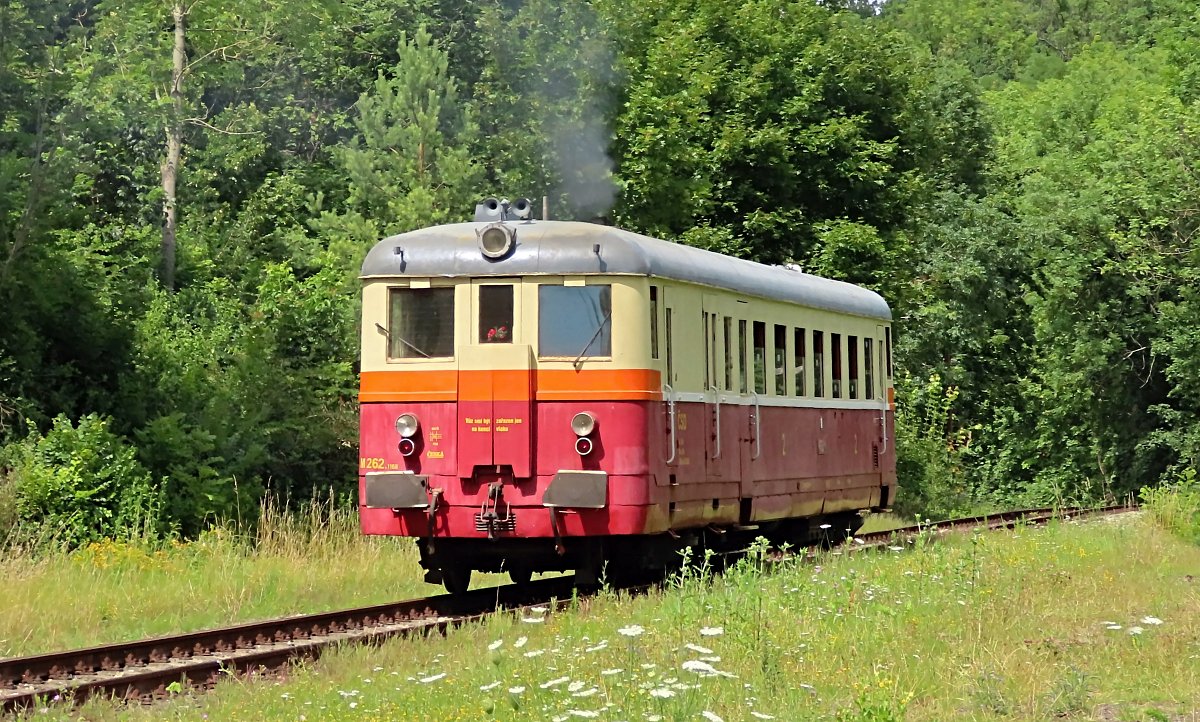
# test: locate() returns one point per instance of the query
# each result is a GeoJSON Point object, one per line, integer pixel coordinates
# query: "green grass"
{"type": "Point", "coordinates": [111, 591]}
{"type": "Point", "coordinates": [1006, 626]}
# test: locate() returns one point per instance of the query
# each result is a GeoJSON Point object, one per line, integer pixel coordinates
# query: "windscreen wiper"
{"type": "Point", "coordinates": [387, 334]}
{"type": "Point", "coordinates": [592, 340]}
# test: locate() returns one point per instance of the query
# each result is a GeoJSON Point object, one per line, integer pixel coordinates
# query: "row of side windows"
{"type": "Point", "coordinates": [764, 368]}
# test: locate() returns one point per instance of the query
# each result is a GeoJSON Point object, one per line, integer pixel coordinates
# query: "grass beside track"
{"type": "Point", "coordinates": [113, 592]}
{"type": "Point", "coordinates": [1086, 621]}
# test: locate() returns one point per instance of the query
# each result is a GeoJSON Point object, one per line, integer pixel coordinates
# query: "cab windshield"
{"type": "Point", "coordinates": [575, 321]}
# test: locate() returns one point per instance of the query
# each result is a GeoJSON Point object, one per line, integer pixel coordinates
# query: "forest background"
{"type": "Point", "coordinates": [187, 191]}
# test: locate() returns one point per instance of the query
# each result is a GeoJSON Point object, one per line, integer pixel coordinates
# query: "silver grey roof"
{"type": "Point", "coordinates": [565, 248]}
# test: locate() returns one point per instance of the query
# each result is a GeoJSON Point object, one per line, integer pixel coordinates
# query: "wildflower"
{"type": "Point", "coordinates": [704, 669]}
{"type": "Point", "coordinates": [495, 645]}
{"type": "Point", "coordinates": [516, 690]}
{"type": "Point", "coordinates": [698, 649]}
{"type": "Point", "coordinates": [654, 718]}
{"type": "Point", "coordinates": [711, 717]}
{"type": "Point", "coordinates": [632, 630]}
{"type": "Point", "coordinates": [535, 653]}
{"type": "Point", "coordinates": [760, 715]}
{"type": "Point", "coordinates": [610, 672]}
{"type": "Point", "coordinates": [587, 692]}
{"type": "Point", "coordinates": [826, 526]}
{"type": "Point", "coordinates": [856, 540]}
{"type": "Point", "coordinates": [1154, 621]}
{"type": "Point", "coordinates": [377, 669]}
{"type": "Point", "coordinates": [575, 686]}
{"type": "Point", "coordinates": [1113, 626]}
{"type": "Point", "coordinates": [432, 678]}
{"type": "Point", "coordinates": [520, 642]}
{"type": "Point", "coordinates": [662, 692]}
{"type": "Point", "coordinates": [533, 620]}
{"type": "Point", "coordinates": [711, 631]}
{"type": "Point", "coordinates": [489, 687]}
{"type": "Point", "coordinates": [554, 682]}
{"type": "Point", "coordinates": [539, 609]}
{"type": "Point", "coordinates": [1136, 630]}
{"type": "Point", "coordinates": [587, 714]}
{"type": "Point", "coordinates": [896, 548]}
{"type": "Point", "coordinates": [353, 705]}
{"type": "Point", "coordinates": [710, 658]}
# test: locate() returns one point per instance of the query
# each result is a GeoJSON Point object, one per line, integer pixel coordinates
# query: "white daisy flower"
{"type": "Point", "coordinates": [516, 690]}
{"type": "Point", "coordinates": [662, 692]}
{"type": "Point", "coordinates": [1153, 621]}
{"type": "Point", "coordinates": [1136, 630]}
{"type": "Point", "coordinates": [495, 645]}
{"type": "Point", "coordinates": [520, 642]}
{"type": "Point", "coordinates": [633, 630]}
{"type": "Point", "coordinates": [711, 631]}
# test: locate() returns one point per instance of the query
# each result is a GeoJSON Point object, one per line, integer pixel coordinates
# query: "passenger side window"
{"type": "Point", "coordinates": [780, 360]}
{"type": "Point", "coordinates": [819, 364]}
{"type": "Point", "coordinates": [835, 340]}
{"type": "Point", "coordinates": [654, 322]}
{"type": "Point", "coordinates": [760, 357]}
{"type": "Point", "coordinates": [728, 329]}
{"type": "Point", "coordinates": [852, 358]}
{"type": "Point", "coordinates": [868, 369]}
{"type": "Point", "coordinates": [744, 376]}
{"type": "Point", "coordinates": [800, 347]}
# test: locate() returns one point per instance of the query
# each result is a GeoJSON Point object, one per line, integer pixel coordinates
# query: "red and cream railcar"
{"type": "Point", "coordinates": [545, 395]}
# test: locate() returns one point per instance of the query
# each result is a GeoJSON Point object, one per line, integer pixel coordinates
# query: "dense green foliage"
{"type": "Point", "coordinates": [1018, 178]}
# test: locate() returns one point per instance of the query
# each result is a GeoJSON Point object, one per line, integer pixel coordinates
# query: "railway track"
{"type": "Point", "coordinates": [150, 668]}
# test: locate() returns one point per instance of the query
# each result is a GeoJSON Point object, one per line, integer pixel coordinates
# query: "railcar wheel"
{"type": "Point", "coordinates": [456, 579]}
{"type": "Point", "coordinates": [520, 575]}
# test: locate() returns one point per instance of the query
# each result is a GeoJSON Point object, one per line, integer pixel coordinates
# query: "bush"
{"type": "Point", "coordinates": [81, 483]}
{"type": "Point", "coordinates": [1177, 506]}
{"type": "Point", "coordinates": [929, 464]}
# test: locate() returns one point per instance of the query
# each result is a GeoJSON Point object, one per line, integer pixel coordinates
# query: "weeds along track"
{"type": "Point", "coordinates": [152, 668]}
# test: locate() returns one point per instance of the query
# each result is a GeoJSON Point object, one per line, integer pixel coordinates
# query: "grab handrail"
{"type": "Point", "coordinates": [669, 395]}
{"type": "Point", "coordinates": [717, 424]}
{"type": "Point", "coordinates": [757, 428]}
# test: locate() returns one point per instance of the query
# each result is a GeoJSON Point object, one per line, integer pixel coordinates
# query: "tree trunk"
{"type": "Point", "coordinates": [170, 166]}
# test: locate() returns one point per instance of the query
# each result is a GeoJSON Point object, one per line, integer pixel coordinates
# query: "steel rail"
{"type": "Point", "coordinates": [148, 669]}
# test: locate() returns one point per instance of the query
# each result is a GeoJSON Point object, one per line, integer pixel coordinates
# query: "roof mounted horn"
{"type": "Point", "coordinates": [490, 210]}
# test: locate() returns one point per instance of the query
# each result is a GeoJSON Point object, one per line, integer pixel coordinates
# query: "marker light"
{"type": "Point", "coordinates": [583, 446]}
{"type": "Point", "coordinates": [496, 240]}
{"type": "Point", "coordinates": [406, 425]}
{"type": "Point", "coordinates": [407, 447]}
{"type": "Point", "coordinates": [583, 423]}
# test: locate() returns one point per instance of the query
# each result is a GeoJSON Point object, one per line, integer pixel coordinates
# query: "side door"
{"type": "Point", "coordinates": [716, 430]}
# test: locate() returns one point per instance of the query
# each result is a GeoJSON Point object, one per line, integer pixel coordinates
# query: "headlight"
{"type": "Point", "coordinates": [496, 240]}
{"type": "Point", "coordinates": [406, 425]}
{"type": "Point", "coordinates": [583, 423]}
